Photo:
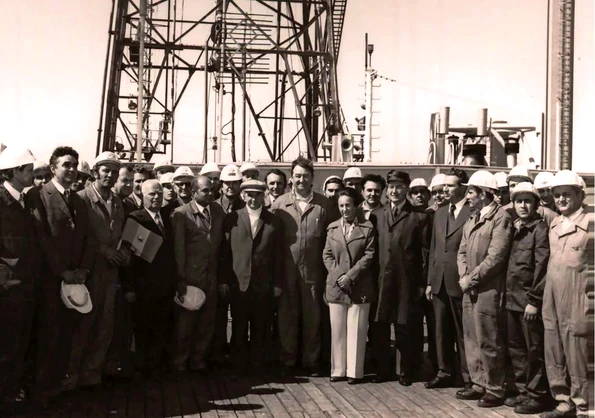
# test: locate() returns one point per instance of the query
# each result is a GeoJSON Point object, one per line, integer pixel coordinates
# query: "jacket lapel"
{"type": "Point", "coordinates": [245, 220]}
{"type": "Point", "coordinates": [57, 198]}
{"type": "Point", "coordinates": [460, 220]}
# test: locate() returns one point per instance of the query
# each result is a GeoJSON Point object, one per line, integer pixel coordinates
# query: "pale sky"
{"type": "Point", "coordinates": [459, 53]}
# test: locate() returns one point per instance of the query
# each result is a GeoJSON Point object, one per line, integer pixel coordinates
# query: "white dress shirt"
{"type": "Point", "coordinates": [458, 206]}
{"type": "Point", "coordinates": [14, 193]}
{"type": "Point", "coordinates": [254, 215]}
{"type": "Point", "coordinates": [58, 186]}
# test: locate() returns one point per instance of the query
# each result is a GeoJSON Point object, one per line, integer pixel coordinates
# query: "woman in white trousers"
{"type": "Point", "coordinates": [348, 256]}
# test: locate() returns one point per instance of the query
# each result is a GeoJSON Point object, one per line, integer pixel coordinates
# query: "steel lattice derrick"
{"type": "Point", "coordinates": [228, 47]}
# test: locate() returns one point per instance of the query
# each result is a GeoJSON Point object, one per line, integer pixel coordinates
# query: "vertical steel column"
{"type": "Point", "coordinates": [141, 87]}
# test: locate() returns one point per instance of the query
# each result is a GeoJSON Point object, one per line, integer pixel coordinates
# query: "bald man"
{"type": "Point", "coordinates": [197, 230]}
{"type": "Point", "coordinates": [150, 287]}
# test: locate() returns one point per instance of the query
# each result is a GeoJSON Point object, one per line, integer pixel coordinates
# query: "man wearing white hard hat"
{"type": "Point", "coordinates": [20, 270]}
{"type": "Point", "coordinates": [331, 187]}
{"type": "Point", "coordinates": [482, 258]}
{"type": "Point", "coordinates": [211, 170]}
{"type": "Point", "coordinates": [150, 286]}
{"type": "Point", "coordinates": [83, 178]}
{"type": "Point", "coordinates": [443, 282]}
{"type": "Point", "coordinates": [251, 272]}
{"type": "Point", "coordinates": [437, 191]}
{"type": "Point", "coordinates": [353, 179]}
{"type": "Point", "coordinates": [502, 196]}
{"type": "Point", "coordinates": [249, 171]}
{"type": "Point", "coordinates": [162, 166]}
{"type": "Point", "coordinates": [565, 301]}
{"type": "Point", "coordinates": [197, 228]}
{"type": "Point", "coordinates": [167, 183]}
{"type": "Point", "coordinates": [525, 281]}
{"type": "Point", "coordinates": [93, 335]}
{"type": "Point", "coordinates": [231, 179]}
{"type": "Point", "coordinates": [543, 184]}
{"type": "Point", "coordinates": [62, 224]}
{"type": "Point", "coordinates": [419, 194]}
{"type": "Point", "coordinates": [520, 174]}
{"type": "Point", "coordinates": [182, 186]}
{"type": "Point", "coordinates": [41, 173]}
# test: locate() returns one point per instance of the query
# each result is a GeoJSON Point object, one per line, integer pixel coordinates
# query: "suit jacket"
{"type": "Point", "coordinates": [19, 240]}
{"type": "Point", "coordinates": [65, 237]}
{"type": "Point", "coordinates": [443, 270]}
{"type": "Point", "coordinates": [156, 279]}
{"type": "Point", "coordinates": [353, 257]}
{"type": "Point", "coordinates": [228, 206]}
{"type": "Point", "coordinates": [196, 246]}
{"type": "Point", "coordinates": [251, 262]}
{"type": "Point", "coordinates": [403, 247]}
{"type": "Point", "coordinates": [129, 205]}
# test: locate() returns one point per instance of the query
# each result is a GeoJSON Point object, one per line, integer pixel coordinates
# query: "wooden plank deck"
{"type": "Point", "coordinates": [226, 395]}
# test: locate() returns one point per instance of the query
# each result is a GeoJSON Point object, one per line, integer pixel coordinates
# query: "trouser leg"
{"type": "Point", "coordinates": [406, 347]}
{"type": "Point", "coordinates": [456, 307]}
{"type": "Point", "coordinates": [288, 319]}
{"type": "Point", "coordinates": [16, 310]}
{"type": "Point", "coordinates": [159, 333]}
{"type": "Point", "coordinates": [357, 324]}
{"type": "Point", "coordinates": [144, 316]}
{"type": "Point", "coordinates": [219, 344]}
{"type": "Point", "coordinates": [536, 383]}
{"type": "Point", "coordinates": [412, 352]}
{"type": "Point", "coordinates": [445, 333]}
{"type": "Point", "coordinates": [489, 331]}
{"type": "Point", "coordinates": [338, 321]}
{"type": "Point", "coordinates": [258, 322]}
{"type": "Point", "coordinates": [183, 333]}
{"type": "Point", "coordinates": [119, 356]}
{"type": "Point", "coordinates": [310, 310]}
{"type": "Point", "coordinates": [517, 350]}
{"type": "Point", "coordinates": [472, 348]}
{"type": "Point", "coordinates": [240, 306]}
{"type": "Point", "coordinates": [203, 330]}
{"type": "Point", "coordinates": [430, 333]}
{"type": "Point", "coordinates": [380, 332]}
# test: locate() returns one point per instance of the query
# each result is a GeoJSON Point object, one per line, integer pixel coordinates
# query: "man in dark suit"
{"type": "Point", "coordinates": [150, 287]}
{"type": "Point", "coordinates": [123, 188]}
{"type": "Point", "coordinates": [404, 241]}
{"type": "Point", "coordinates": [443, 288]}
{"type": "Point", "coordinates": [69, 251]}
{"type": "Point", "coordinates": [197, 228]}
{"type": "Point", "coordinates": [251, 271]}
{"type": "Point", "coordinates": [20, 270]}
{"type": "Point", "coordinates": [141, 174]}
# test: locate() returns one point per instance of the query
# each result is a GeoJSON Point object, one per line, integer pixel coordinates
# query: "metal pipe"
{"type": "Point", "coordinates": [139, 109]}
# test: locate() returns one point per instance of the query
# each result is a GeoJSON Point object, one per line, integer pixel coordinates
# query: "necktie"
{"type": "Point", "coordinates": [395, 212]}
{"type": "Point", "coordinates": [207, 216]}
{"type": "Point", "coordinates": [68, 199]}
{"type": "Point", "coordinates": [451, 216]}
{"type": "Point", "coordinates": [21, 200]}
{"type": "Point", "coordinates": [159, 223]}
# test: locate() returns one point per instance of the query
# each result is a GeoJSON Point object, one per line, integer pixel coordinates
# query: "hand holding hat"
{"type": "Point", "coordinates": [7, 279]}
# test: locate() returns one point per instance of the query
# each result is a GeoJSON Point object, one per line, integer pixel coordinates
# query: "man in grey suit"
{"type": "Point", "coordinates": [197, 228]}
{"type": "Point", "coordinates": [443, 281]}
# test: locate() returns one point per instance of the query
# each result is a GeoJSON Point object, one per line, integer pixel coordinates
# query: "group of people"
{"type": "Point", "coordinates": [310, 280]}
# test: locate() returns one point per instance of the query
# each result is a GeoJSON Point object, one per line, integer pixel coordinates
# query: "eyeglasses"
{"type": "Point", "coordinates": [183, 184]}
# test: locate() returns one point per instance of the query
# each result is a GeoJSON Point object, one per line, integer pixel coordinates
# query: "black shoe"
{"type": "Point", "coordinates": [439, 382]}
{"type": "Point", "coordinates": [490, 401]}
{"type": "Point", "coordinates": [353, 381]}
{"type": "Point", "coordinates": [513, 401]}
{"type": "Point", "coordinates": [335, 379]}
{"type": "Point", "coordinates": [469, 394]}
{"type": "Point", "coordinates": [556, 413]}
{"type": "Point", "coordinates": [381, 378]}
{"type": "Point", "coordinates": [405, 381]}
{"type": "Point", "coordinates": [529, 406]}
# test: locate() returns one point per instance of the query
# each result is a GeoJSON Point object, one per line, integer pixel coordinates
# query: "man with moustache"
{"type": "Point", "coordinates": [150, 286]}
{"type": "Point", "coordinates": [123, 188]}
{"type": "Point", "coordinates": [443, 288]}
{"type": "Point", "coordinates": [403, 245]}
{"type": "Point", "coordinates": [197, 228]}
{"type": "Point", "coordinates": [69, 251]}
{"type": "Point", "coordinates": [20, 271]}
{"type": "Point", "coordinates": [93, 333]}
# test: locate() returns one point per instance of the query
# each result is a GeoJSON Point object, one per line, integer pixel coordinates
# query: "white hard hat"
{"type": "Point", "coordinates": [84, 167]}
{"type": "Point", "coordinates": [438, 180]}
{"type": "Point", "coordinates": [183, 171]}
{"type": "Point", "coordinates": [483, 179]}
{"type": "Point", "coordinates": [76, 296]}
{"type": "Point", "coordinates": [353, 173]}
{"type": "Point", "coordinates": [566, 178]}
{"type": "Point", "coordinates": [543, 180]}
{"type": "Point", "coordinates": [209, 168]}
{"type": "Point", "coordinates": [39, 165]}
{"type": "Point", "coordinates": [247, 167]}
{"type": "Point", "coordinates": [524, 187]}
{"type": "Point", "coordinates": [230, 173]}
{"type": "Point", "coordinates": [166, 178]}
{"type": "Point", "coordinates": [164, 162]}
{"type": "Point", "coordinates": [418, 182]}
{"type": "Point", "coordinates": [328, 179]}
{"type": "Point", "coordinates": [521, 172]}
{"type": "Point", "coordinates": [15, 156]}
{"type": "Point", "coordinates": [193, 299]}
{"type": "Point", "coordinates": [501, 179]}
{"type": "Point", "coordinates": [583, 184]}
{"type": "Point", "coordinates": [106, 157]}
